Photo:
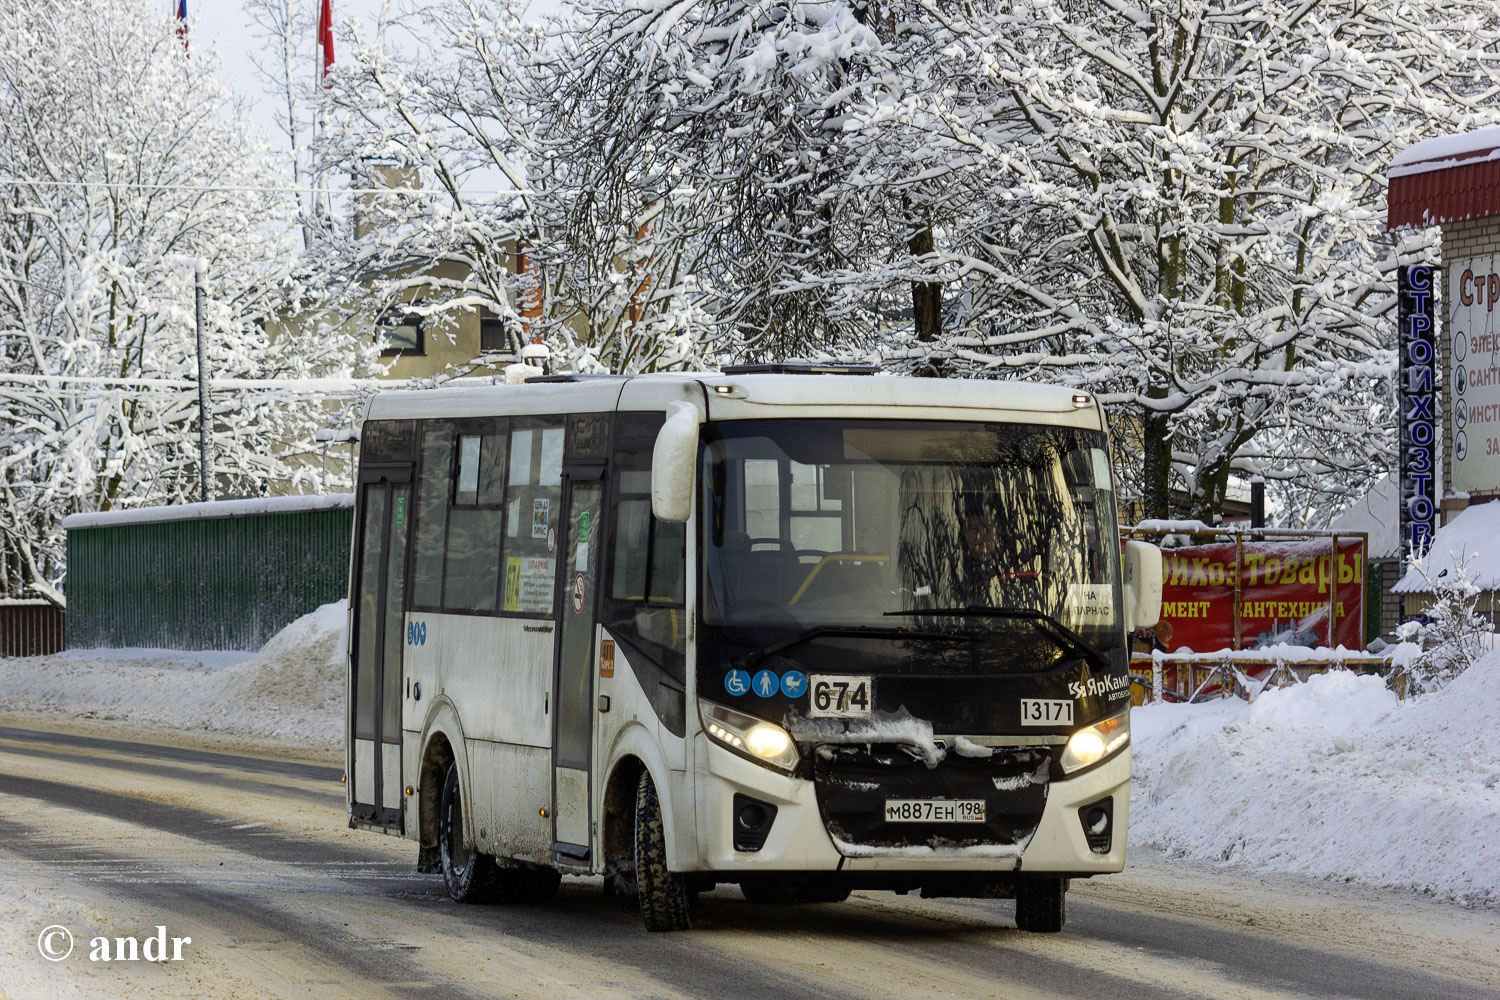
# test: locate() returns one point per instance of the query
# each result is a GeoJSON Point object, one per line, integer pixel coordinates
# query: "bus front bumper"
{"type": "Point", "coordinates": [798, 841]}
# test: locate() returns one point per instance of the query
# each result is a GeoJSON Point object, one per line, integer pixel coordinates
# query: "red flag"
{"type": "Point", "coordinates": [325, 36]}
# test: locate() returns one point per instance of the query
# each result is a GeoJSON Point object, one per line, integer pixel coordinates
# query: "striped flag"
{"type": "Point", "coordinates": [182, 28]}
{"type": "Point", "coordinates": [325, 36]}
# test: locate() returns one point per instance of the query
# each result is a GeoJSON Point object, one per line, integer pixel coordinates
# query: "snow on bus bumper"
{"type": "Point", "coordinates": [799, 841]}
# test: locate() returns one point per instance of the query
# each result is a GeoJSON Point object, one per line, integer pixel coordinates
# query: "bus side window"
{"type": "Point", "coordinates": [432, 514]}
{"type": "Point", "coordinates": [533, 505]}
{"type": "Point", "coordinates": [471, 572]}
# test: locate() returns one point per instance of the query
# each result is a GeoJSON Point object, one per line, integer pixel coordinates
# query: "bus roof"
{"type": "Point", "coordinates": [753, 395]}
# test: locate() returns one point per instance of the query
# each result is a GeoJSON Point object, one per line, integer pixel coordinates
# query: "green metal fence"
{"type": "Point", "coordinates": [224, 575]}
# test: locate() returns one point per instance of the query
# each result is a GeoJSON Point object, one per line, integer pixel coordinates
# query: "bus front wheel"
{"type": "Point", "coordinates": [1041, 904]}
{"type": "Point", "coordinates": [471, 877]}
{"type": "Point", "coordinates": [667, 899]}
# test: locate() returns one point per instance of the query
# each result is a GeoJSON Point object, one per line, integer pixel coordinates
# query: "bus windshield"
{"type": "Point", "coordinates": [935, 528]}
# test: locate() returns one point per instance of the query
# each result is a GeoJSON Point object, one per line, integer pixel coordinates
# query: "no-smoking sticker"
{"type": "Point", "coordinates": [579, 586]}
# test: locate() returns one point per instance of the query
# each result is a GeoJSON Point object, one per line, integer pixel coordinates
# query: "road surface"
{"type": "Point", "coordinates": [241, 853]}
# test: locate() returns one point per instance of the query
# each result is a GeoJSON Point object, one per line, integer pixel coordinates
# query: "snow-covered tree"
{"type": "Point", "coordinates": [1454, 634]}
{"type": "Point", "coordinates": [448, 94]}
{"type": "Point", "coordinates": [776, 136]}
{"type": "Point", "coordinates": [1207, 180]}
{"type": "Point", "coordinates": [127, 170]}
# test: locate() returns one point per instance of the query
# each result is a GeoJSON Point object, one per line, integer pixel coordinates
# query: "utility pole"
{"type": "Point", "coordinates": [204, 468]}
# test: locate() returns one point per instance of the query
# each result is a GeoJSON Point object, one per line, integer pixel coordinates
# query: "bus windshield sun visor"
{"type": "Point", "coordinates": [851, 631]}
{"type": "Point", "coordinates": [1068, 640]}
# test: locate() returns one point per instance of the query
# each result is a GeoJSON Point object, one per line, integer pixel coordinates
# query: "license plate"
{"type": "Point", "coordinates": [839, 696]}
{"type": "Point", "coordinates": [934, 810]}
{"type": "Point", "coordinates": [1046, 712]}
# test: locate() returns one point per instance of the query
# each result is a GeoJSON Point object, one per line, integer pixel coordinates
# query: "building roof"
{"type": "Point", "coordinates": [1450, 178]}
{"type": "Point", "coordinates": [211, 508]}
{"type": "Point", "coordinates": [1377, 515]}
{"type": "Point", "coordinates": [1470, 540]}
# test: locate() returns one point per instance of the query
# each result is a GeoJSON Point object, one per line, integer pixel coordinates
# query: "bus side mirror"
{"type": "Point", "coordinates": [672, 462]}
{"type": "Point", "coordinates": [1143, 578]}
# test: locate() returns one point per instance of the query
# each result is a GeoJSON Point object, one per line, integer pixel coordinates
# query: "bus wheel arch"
{"type": "Point", "coordinates": [436, 759]}
{"type": "Point", "coordinates": [442, 744]}
{"type": "Point", "coordinates": [618, 831]}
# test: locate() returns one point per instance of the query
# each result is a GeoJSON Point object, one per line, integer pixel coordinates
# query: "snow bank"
{"type": "Point", "coordinates": [291, 691]}
{"type": "Point", "coordinates": [1333, 779]}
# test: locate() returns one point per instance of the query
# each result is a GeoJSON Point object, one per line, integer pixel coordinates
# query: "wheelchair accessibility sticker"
{"type": "Point", "coordinates": [737, 682]}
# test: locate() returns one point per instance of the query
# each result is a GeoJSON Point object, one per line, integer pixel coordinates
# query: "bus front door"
{"type": "Point", "coordinates": [375, 692]}
{"type": "Point", "coordinates": [573, 719]}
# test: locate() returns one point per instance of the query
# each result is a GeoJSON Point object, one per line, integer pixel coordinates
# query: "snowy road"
{"type": "Point", "coordinates": [243, 849]}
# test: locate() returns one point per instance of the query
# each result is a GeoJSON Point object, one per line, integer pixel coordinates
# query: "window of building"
{"type": "Point", "coordinates": [492, 336]}
{"type": "Point", "coordinates": [401, 330]}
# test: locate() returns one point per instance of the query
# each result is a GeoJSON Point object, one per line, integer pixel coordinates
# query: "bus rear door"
{"type": "Point", "coordinates": [375, 654]}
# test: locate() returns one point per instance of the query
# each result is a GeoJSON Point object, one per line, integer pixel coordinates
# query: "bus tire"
{"type": "Point", "coordinates": [471, 877]}
{"type": "Point", "coordinates": [667, 899]}
{"type": "Point", "coordinates": [1041, 905]}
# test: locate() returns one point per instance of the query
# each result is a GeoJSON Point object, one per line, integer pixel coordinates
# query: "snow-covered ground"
{"type": "Point", "coordinates": [292, 691]}
{"type": "Point", "coordinates": [1332, 779]}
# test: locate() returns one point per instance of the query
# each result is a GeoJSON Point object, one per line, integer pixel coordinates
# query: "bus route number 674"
{"type": "Point", "coordinates": [840, 696]}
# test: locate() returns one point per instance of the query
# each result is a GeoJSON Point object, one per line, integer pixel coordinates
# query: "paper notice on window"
{"type": "Point", "coordinates": [1091, 604]}
{"type": "Point", "coordinates": [538, 579]}
{"type": "Point", "coordinates": [541, 516]}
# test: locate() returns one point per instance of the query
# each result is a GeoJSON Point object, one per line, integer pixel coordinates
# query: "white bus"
{"type": "Point", "coordinates": [806, 630]}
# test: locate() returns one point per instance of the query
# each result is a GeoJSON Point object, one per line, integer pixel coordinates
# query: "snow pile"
{"type": "Point", "coordinates": [1333, 779]}
{"type": "Point", "coordinates": [291, 691]}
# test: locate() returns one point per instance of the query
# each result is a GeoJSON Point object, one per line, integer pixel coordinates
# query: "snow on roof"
{"type": "Point", "coordinates": [213, 508]}
{"type": "Point", "coordinates": [1376, 515]}
{"type": "Point", "coordinates": [1445, 151]}
{"type": "Point", "coordinates": [1472, 539]}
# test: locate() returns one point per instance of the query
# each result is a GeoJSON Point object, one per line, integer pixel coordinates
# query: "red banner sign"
{"type": "Point", "coordinates": [1284, 591]}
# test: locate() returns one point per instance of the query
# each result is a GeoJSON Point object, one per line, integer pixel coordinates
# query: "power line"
{"type": "Point", "coordinates": [262, 189]}
{"type": "Point", "coordinates": [295, 385]}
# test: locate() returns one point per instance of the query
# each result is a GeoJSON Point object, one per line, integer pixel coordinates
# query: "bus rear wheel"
{"type": "Point", "coordinates": [667, 899]}
{"type": "Point", "coordinates": [1041, 905]}
{"type": "Point", "coordinates": [471, 877]}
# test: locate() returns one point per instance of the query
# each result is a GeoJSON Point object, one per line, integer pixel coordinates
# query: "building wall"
{"type": "Point", "coordinates": [1461, 240]}
{"type": "Point", "coordinates": [206, 583]}
{"type": "Point", "coordinates": [1383, 575]}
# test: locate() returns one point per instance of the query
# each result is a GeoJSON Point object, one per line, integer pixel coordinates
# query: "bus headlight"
{"type": "Point", "coordinates": [1091, 744]}
{"type": "Point", "coordinates": [761, 741]}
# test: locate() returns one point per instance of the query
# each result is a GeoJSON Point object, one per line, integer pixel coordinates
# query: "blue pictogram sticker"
{"type": "Point", "coordinates": [794, 683]}
{"type": "Point", "coordinates": [737, 682]}
{"type": "Point", "coordinates": [766, 684]}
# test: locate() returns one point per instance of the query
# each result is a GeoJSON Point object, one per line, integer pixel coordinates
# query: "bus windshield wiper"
{"type": "Point", "coordinates": [851, 631]}
{"type": "Point", "coordinates": [1066, 638]}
